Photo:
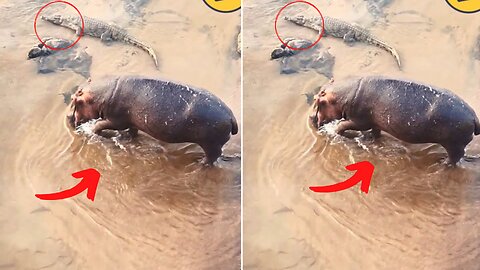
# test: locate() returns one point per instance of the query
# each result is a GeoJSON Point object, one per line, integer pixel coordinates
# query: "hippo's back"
{"type": "Point", "coordinates": [410, 96]}
{"type": "Point", "coordinates": [174, 108]}
{"type": "Point", "coordinates": [423, 109]}
{"type": "Point", "coordinates": [169, 98]}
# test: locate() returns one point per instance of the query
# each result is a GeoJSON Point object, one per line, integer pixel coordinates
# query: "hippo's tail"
{"type": "Point", "coordinates": [477, 127]}
{"type": "Point", "coordinates": [234, 126]}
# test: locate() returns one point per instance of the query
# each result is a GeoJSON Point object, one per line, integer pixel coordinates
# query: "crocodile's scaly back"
{"type": "Point", "coordinates": [99, 29]}
{"type": "Point", "coordinates": [341, 29]}
{"type": "Point", "coordinates": [338, 28]}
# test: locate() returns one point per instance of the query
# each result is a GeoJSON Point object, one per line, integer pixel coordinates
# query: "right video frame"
{"type": "Point", "coordinates": [360, 147]}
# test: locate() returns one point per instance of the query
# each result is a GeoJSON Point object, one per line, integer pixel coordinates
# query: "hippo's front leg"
{"type": "Point", "coordinates": [349, 125]}
{"type": "Point", "coordinates": [349, 38]}
{"type": "Point", "coordinates": [101, 125]}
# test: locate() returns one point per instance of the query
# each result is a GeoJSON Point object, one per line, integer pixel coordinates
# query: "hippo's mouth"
{"type": "Point", "coordinates": [71, 118]}
{"type": "Point", "coordinates": [314, 120]}
{"type": "Point", "coordinates": [315, 117]}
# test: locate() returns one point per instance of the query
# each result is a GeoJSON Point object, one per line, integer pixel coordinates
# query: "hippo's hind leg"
{"type": "Point", "coordinates": [455, 153]}
{"type": "Point", "coordinates": [212, 152]}
{"type": "Point", "coordinates": [456, 148]}
{"type": "Point", "coordinates": [213, 141]}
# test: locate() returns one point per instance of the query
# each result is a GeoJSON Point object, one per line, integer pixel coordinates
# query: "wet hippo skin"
{"type": "Point", "coordinates": [410, 111]}
{"type": "Point", "coordinates": [167, 111]}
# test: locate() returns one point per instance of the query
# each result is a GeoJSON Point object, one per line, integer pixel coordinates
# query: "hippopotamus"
{"type": "Point", "coordinates": [167, 111]}
{"type": "Point", "coordinates": [410, 111]}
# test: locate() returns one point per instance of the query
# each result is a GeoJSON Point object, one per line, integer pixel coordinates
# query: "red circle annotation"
{"type": "Point", "coordinates": [79, 36]}
{"type": "Point", "coordinates": [319, 37]}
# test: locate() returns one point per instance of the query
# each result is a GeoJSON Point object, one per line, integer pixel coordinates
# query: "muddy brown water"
{"type": "Point", "coordinates": [156, 207]}
{"type": "Point", "coordinates": [418, 213]}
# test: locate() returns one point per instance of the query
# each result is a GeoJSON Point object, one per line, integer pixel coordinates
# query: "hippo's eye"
{"type": "Point", "coordinates": [79, 102]}
{"type": "Point", "coordinates": [321, 103]}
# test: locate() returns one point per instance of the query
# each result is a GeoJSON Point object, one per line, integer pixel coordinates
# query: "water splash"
{"type": "Point", "coordinates": [87, 127]}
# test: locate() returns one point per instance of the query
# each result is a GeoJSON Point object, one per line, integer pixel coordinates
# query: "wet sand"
{"type": "Point", "coordinates": [419, 214]}
{"type": "Point", "coordinates": [156, 207]}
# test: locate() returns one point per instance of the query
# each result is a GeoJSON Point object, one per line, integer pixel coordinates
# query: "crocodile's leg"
{"type": "Point", "coordinates": [78, 31]}
{"type": "Point", "coordinates": [46, 51]}
{"type": "Point", "coordinates": [349, 38]}
{"type": "Point", "coordinates": [286, 41]}
{"type": "Point", "coordinates": [106, 36]}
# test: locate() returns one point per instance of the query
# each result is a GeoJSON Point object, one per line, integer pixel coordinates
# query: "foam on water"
{"type": "Point", "coordinates": [330, 128]}
{"type": "Point", "coordinates": [87, 127]}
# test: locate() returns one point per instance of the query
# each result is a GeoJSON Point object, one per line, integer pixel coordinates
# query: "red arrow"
{"type": "Point", "coordinates": [90, 179]}
{"type": "Point", "coordinates": [364, 174]}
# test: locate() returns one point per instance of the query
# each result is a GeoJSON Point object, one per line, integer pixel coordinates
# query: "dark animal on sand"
{"type": "Point", "coordinates": [167, 111]}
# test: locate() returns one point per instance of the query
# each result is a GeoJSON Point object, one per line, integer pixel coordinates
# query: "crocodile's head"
{"type": "Point", "coordinates": [299, 19]}
{"type": "Point", "coordinates": [57, 19]}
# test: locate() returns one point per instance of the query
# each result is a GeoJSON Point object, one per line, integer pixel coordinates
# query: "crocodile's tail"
{"type": "Point", "coordinates": [377, 42]}
{"type": "Point", "coordinates": [144, 47]}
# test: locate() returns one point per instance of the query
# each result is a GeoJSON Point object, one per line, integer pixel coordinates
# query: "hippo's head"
{"type": "Point", "coordinates": [325, 107]}
{"type": "Point", "coordinates": [82, 107]}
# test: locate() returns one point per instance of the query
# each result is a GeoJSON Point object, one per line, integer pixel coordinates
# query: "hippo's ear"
{"type": "Point", "coordinates": [89, 80]}
{"type": "Point", "coordinates": [331, 80]}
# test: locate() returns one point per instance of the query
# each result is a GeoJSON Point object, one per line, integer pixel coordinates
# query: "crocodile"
{"type": "Point", "coordinates": [341, 29]}
{"type": "Point", "coordinates": [96, 28]}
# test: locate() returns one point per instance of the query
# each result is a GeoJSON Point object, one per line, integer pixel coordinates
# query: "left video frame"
{"type": "Point", "coordinates": [124, 150]}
